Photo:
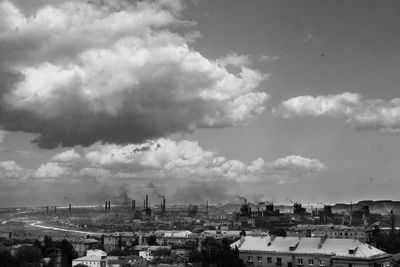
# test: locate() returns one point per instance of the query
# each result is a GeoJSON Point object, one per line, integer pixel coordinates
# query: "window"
{"type": "Point", "coordinates": [299, 261]}
{"type": "Point", "coordinates": [311, 262]}
{"type": "Point", "coordinates": [279, 261]}
{"type": "Point", "coordinates": [321, 263]}
{"type": "Point", "coordinates": [269, 259]}
{"type": "Point", "coordinates": [250, 259]}
{"type": "Point", "coordinates": [259, 259]}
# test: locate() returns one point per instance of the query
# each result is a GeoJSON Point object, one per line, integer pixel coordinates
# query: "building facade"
{"type": "Point", "coordinates": [330, 231]}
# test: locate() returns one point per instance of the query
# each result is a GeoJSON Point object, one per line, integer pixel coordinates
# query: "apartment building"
{"type": "Point", "coordinates": [270, 251]}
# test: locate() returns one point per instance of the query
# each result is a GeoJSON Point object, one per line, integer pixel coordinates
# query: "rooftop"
{"type": "Point", "coordinates": [323, 246]}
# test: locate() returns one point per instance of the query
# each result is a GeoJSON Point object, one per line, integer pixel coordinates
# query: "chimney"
{"type": "Point", "coordinates": [9, 235]}
{"type": "Point", "coordinates": [47, 210]}
{"type": "Point", "coordinates": [69, 208]}
{"type": "Point", "coordinates": [144, 203]}
{"type": "Point", "coordinates": [242, 237]}
{"type": "Point", "coordinates": [133, 204]}
{"type": "Point", "coordinates": [163, 206]}
{"type": "Point", "coordinates": [322, 241]}
{"type": "Point", "coordinates": [109, 205]}
{"type": "Point", "coordinates": [55, 208]}
{"type": "Point", "coordinates": [147, 201]}
{"type": "Point", "coordinates": [106, 206]}
{"type": "Point", "coordinates": [207, 206]}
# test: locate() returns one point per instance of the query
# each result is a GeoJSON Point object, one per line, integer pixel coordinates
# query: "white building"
{"type": "Point", "coordinates": [93, 258]}
{"type": "Point", "coordinates": [270, 251]}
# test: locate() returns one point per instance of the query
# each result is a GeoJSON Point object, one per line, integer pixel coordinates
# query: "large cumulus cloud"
{"type": "Point", "coordinates": [78, 72]}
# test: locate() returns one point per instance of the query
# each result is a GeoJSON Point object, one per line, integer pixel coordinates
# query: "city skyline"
{"type": "Point", "coordinates": [199, 100]}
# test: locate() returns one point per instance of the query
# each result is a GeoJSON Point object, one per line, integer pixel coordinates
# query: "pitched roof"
{"type": "Point", "coordinates": [322, 246]}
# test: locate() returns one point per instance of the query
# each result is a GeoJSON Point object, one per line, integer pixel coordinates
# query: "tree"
{"type": "Point", "coordinates": [67, 253]}
{"type": "Point", "coordinates": [219, 254]}
{"type": "Point", "coordinates": [117, 252]}
{"type": "Point", "coordinates": [162, 252]}
{"type": "Point", "coordinates": [151, 240]}
{"type": "Point", "coordinates": [29, 256]}
{"type": "Point", "coordinates": [7, 260]}
{"type": "Point", "coordinates": [48, 247]}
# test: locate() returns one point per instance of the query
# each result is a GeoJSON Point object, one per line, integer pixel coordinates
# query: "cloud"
{"type": "Point", "coordinates": [11, 170]}
{"type": "Point", "coordinates": [69, 155]}
{"type": "Point", "coordinates": [180, 170]}
{"type": "Point", "coordinates": [297, 165]}
{"type": "Point", "coordinates": [374, 114]}
{"type": "Point", "coordinates": [234, 59]}
{"type": "Point", "coordinates": [78, 72]}
{"type": "Point", "coordinates": [50, 170]}
{"type": "Point", "coordinates": [165, 158]}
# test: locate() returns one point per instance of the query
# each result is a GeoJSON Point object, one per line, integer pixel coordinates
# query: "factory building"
{"type": "Point", "coordinates": [271, 251]}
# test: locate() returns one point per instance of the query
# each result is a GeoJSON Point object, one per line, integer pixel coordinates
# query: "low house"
{"type": "Point", "coordinates": [93, 258]}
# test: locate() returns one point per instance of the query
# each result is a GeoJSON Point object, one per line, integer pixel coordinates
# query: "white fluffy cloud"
{"type": "Point", "coordinates": [297, 165]}
{"type": "Point", "coordinates": [374, 114]}
{"type": "Point", "coordinates": [163, 159]}
{"type": "Point", "coordinates": [186, 159]}
{"type": "Point", "coordinates": [121, 72]}
{"type": "Point", "coordinates": [69, 155]}
{"type": "Point", "coordinates": [50, 170]}
{"type": "Point", "coordinates": [11, 170]}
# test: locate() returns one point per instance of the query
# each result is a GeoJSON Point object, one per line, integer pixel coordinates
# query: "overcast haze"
{"type": "Point", "coordinates": [199, 100]}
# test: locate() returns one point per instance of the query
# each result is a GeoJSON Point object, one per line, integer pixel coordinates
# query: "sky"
{"type": "Point", "coordinates": [199, 100]}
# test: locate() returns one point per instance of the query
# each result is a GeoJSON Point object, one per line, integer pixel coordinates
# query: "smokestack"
{"type": "Point", "coordinates": [106, 205]}
{"type": "Point", "coordinates": [55, 208]}
{"type": "Point", "coordinates": [144, 203]}
{"type": "Point", "coordinates": [109, 205]}
{"type": "Point", "coordinates": [47, 210]}
{"type": "Point", "coordinates": [69, 208]}
{"type": "Point", "coordinates": [133, 204]}
{"type": "Point", "coordinates": [163, 206]}
{"type": "Point", "coordinates": [147, 201]}
{"type": "Point", "coordinates": [206, 205]}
